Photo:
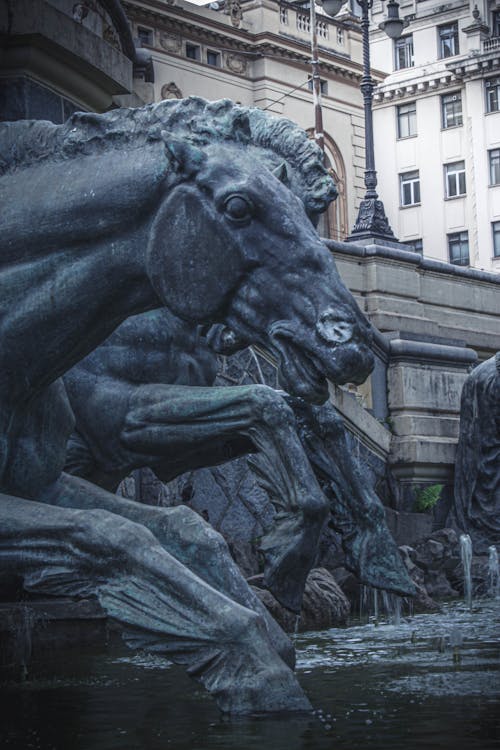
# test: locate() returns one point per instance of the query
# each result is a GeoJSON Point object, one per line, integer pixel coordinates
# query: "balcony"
{"type": "Point", "coordinates": [490, 45]}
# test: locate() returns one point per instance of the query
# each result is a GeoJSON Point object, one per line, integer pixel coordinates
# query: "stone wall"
{"type": "Point", "coordinates": [58, 57]}
{"type": "Point", "coordinates": [434, 322]}
{"type": "Point", "coordinates": [426, 300]}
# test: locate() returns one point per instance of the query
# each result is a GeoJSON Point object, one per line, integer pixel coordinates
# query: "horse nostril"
{"type": "Point", "coordinates": [333, 330]}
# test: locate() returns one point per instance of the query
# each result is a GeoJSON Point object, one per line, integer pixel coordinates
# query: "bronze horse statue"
{"type": "Point", "coordinates": [146, 397]}
{"type": "Point", "coordinates": [176, 205]}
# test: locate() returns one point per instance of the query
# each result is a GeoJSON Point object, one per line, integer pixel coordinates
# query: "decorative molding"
{"type": "Point", "coordinates": [232, 8]}
{"type": "Point", "coordinates": [236, 63]}
{"type": "Point", "coordinates": [170, 42]}
{"type": "Point", "coordinates": [372, 222]}
{"type": "Point", "coordinates": [457, 71]}
{"type": "Point", "coordinates": [235, 39]}
{"type": "Point", "coordinates": [171, 91]}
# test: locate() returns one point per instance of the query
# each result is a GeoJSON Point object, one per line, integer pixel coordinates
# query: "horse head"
{"type": "Point", "coordinates": [243, 252]}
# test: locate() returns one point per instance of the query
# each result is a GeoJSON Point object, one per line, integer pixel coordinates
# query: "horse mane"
{"type": "Point", "coordinates": [199, 121]}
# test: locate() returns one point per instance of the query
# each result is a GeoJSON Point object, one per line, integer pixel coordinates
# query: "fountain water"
{"type": "Point", "coordinates": [375, 604]}
{"type": "Point", "coordinates": [392, 607]}
{"type": "Point", "coordinates": [466, 557]}
{"type": "Point", "coordinates": [493, 573]}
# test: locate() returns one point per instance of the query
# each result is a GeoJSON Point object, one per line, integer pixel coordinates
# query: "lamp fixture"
{"type": "Point", "coordinates": [331, 7]}
{"type": "Point", "coordinates": [393, 24]}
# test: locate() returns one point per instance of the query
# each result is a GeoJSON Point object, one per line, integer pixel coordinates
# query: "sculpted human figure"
{"type": "Point", "coordinates": [134, 408]}
{"type": "Point", "coordinates": [102, 218]}
{"type": "Point", "coordinates": [476, 508]}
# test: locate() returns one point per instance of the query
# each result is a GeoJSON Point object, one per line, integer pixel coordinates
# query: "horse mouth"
{"type": "Point", "coordinates": [298, 373]}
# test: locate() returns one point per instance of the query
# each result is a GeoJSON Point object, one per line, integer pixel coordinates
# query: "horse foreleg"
{"type": "Point", "coordinates": [161, 604]}
{"type": "Point", "coordinates": [185, 536]}
{"type": "Point", "coordinates": [356, 511]}
{"type": "Point", "coordinates": [194, 427]}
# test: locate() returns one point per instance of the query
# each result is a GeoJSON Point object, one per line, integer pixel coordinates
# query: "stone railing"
{"type": "Point", "coordinates": [491, 44]}
{"type": "Point", "coordinates": [303, 22]}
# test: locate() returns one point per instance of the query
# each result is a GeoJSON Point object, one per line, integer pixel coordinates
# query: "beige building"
{"type": "Point", "coordinates": [258, 53]}
{"type": "Point", "coordinates": [437, 129]}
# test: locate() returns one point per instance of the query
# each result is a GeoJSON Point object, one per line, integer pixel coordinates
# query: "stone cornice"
{"type": "Point", "coordinates": [476, 64]}
{"type": "Point", "coordinates": [170, 18]}
{"type": "Point", "coordinates": [427, 265]}
{"type": "Point", "coordinates": [263, 44]}
{"type": "Point", "coordinates": [452, 75]}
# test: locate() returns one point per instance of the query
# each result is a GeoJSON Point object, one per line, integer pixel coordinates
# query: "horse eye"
{"type": "Point", "coordinates": [238, 208]}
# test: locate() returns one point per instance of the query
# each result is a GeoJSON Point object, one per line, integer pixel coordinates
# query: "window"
{"type": "Point", "coordinates": [193, 51]}
{"type": "Point", "coordinates": [407, 119]}
{"type": "Point", "coordinates": [496, 238]}
{"type": "Point", "coordinates": [492, 86]}
{"type": "Point", "coordinates": [323, 85]}
{"type": "Point", "coordinates": [455, 179]}
{"type": "Point", "coordinates": [495, 23]}
{"type": "Point", "coordinates": [458, 248]}
{"type": "Point", "coordinates": [451, 110]}
{"type": "Point", "coordinates": [283, 16]}
{"type": "Point", "coordinates": [409, 183]}
{"type": "Point", "coordinates": [448, 40]}
{"type": "Point", "coordinates": [415, 246]}
{"type": "Point", "coordinates": [494, 159]}
{"type": "Point", "coordinates": [145, 36]}
{"type": "Point", "coordinates": [403, 50]}
{"type": "Point", "coordinates": [340, 35]}
{"type": "Point", "coordinates": [213, 58]}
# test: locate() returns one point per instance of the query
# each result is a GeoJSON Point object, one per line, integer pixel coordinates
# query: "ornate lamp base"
{"type": "Point", "coordinates": [372, 223]}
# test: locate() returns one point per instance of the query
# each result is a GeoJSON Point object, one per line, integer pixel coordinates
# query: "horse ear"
{"type": "Point", "coordinates": [189, 158]}
{"type": "Point", "coordinates": [281, 172]}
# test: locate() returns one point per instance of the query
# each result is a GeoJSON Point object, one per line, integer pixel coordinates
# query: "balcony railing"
{"type": "Point", "coordinates": [304, 25]}
{"type": "Point", "coordinates": [491, 44]}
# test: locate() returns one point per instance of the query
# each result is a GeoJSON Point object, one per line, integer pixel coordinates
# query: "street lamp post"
{"type": "Point", "coordinates": [316, 79]}
{"type": "Point", "coordinates": [371, 223]}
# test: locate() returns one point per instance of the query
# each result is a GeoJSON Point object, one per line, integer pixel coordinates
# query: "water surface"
{"type": "Point", "coordinates": [432, 681]}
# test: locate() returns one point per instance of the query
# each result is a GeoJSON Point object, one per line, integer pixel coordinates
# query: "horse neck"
{"type": "Point", "coordinates": [58, 307]}
{"type": "Point", "coordinates": [154, 347]}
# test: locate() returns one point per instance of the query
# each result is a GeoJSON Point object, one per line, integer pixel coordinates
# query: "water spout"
{"type": "Point", "coordinates": [376, 605]}
{"type": "Point", "coordinates": [392, 607]}
{"type": "Point", "coordinates": [466, 557]}
{"type": "Point", "coordinates": [493, 573]}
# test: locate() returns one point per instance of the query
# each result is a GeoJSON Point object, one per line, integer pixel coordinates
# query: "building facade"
{"type": "Point", "coordinates": [437, 129]}
{"type": "Point", "coordinates": [258, 53]}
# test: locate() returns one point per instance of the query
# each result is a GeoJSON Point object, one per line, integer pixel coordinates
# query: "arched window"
{"type": "Point", "coordinates": [333, 223]}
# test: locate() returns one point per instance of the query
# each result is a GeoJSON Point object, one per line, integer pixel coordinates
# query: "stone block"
{"type": "Point", "coordinates": [408, 528]}
{"type": "Point", "coordinates": [424, 386]}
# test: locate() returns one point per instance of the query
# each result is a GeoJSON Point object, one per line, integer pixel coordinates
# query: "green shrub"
{"type": "Point", "coordinates": [427, 498]}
